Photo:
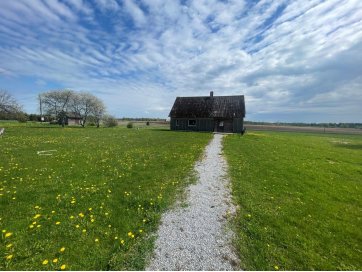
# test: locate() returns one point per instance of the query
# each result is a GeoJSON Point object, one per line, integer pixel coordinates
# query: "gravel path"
{"type": "Point", "coordinates": [196, 237]}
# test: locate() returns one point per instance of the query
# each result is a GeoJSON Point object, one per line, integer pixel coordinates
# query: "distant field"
{"type": "Point", "coordinates": [326, 130]}
{"type": "Point", "coordinates": [87, 199]}
{"type": "Point", "coordinates": [300, 198]}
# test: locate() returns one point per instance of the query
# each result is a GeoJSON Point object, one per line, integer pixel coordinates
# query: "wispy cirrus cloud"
{"type": "Point", "coordinates": [290, 58]}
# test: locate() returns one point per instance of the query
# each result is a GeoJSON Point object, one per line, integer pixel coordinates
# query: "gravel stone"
{"type": "Point", "coordinates": [197, 237]}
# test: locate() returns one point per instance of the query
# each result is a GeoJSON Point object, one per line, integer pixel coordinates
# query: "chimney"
{"type": "Point", "coordinates": [211, 94]}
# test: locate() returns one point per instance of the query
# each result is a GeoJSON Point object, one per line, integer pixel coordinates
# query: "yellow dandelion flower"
{"type": "Point", "coordinates": [53, 212]}
{"type": "Point", "coordinates": [38, 226]}
{"type": "Point", "coordinates": [84, 230]}
{"type": "Point", "coordinates": [122, 242]}
{"type": "Point", "coordinates": [92, 220]}
{"type": "Point", "coordinates": [109, 226]}
{"type": "Point", "coordinates": [144, 220]}
{"type": "Point", "coordinates": [81, 215]}
{"type": "Point", "coordinates": [96, 240]}
{"type": "Point", "coordinates": [36, 216]}
{"type": "Point", "coordinates": [8, 234]}
{"type": "Point", "coordinates": [71, 217]}
{"type": "Point", "coordinates": [106, 213]}
{"type": "Point", "coordinates": [116, 238]}
{"type": "Point", "coordinates": [63, 267]}
{"type": "Point", "coordinates": [140, 231]}
{"type": "Point", "coordinates": [9, 245]}
{"type": "Point", "coordinates": [55, 260]}
{"type": "Point", "coordinates": [132, 236]}
{"type": "Point", "coordinates": [77, 226]}
{"type": "Point", "coordinates": [45, 262]}
{"type": "Point", "coordinates": [89, 209]}
{"type": "Point", "coordinates": [31, 226]}
{"type": "Point", "coordinates": [57, 223]}
{"type": "Point", "coordinates": [73, 201]}
{"type": "Point", "coordinates": [9, 257]}
{"type": "Point", "coordinates": [34, 223]}
{"type": "Point", "coordinates": [130, 233]}
{"type": "Point", "coordinates": [62, 249]}
{"type": "Point", "coordinates": [3, 231]}
{"type": "Point", "coordinates": [276, 267]}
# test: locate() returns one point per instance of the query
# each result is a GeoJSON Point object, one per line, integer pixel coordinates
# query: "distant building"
{"type": "Point", "coordinates": [208, 113]}
{"type": "Point", "coordinates": [73, 119]}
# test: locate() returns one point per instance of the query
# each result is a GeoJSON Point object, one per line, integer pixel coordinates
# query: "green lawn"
{"type": "Point", "coordinates": [95, 201]}
{"type": "Point", "coordinates": [300, 199]}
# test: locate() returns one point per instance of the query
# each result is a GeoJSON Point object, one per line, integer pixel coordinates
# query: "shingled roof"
{"type": "Point", "coordinates": [208, 107]}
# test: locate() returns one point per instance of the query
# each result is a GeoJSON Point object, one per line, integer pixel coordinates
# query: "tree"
{"type": "Point", "coordinates": [85, 104]}
{"type": "Point", "coordinates": [60, 103]}
{"type": "Point", "coordinates": [9, 108]}
{"type": "Point", "coordinates": [57, 103]}
{"type": "Point", "coordinates": [98, 111]}
{"type": "Point", "coordinates": [8, 103]}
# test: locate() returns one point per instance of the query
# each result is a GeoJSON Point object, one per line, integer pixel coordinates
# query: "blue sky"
{"type": "Point", "coordinates": [293, 60]}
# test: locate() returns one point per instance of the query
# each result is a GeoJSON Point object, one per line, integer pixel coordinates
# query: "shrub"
{"type": "Point", "coordinates": [110, 121]}
{"type": "Point", "coordinates": [130, 125]}
{"type": "Point", "coordinates": [22, 118]}
{"type": "Point", "coordinates": [147, 123]}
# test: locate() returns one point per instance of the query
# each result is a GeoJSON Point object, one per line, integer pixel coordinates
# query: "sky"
{"type": "Point", "coordinates": [295, 61]}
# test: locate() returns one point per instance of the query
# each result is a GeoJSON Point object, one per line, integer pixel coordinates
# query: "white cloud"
{"type": "Point", "coordinates": [283, 55]}
{"type": "Point", "coordinates": [136, 12]}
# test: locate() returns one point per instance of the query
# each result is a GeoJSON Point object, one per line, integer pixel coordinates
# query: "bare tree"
{"type": "Point", "coordinates": [85, 104]}
{"type": "Point", "coordinates": [62, 102]}
{"type": "Point", "coordinates": [10, 109]}
{"type": "Point", "coordinates": [57, 103]}
{"type": "Point", "coordinates": [8, 104]}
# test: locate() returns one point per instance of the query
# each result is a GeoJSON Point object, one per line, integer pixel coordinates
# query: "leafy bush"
{"type": "Point", "coordinates": [21, 117]}
{"type": "Point", "coordinates": [130, 125]}
{"type": "Point", "coordinates": [110, 121]}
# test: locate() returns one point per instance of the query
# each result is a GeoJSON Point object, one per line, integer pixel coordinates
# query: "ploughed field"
{"type": "Point", "coordinates": [88, 199]}
{"type": "Point", "coordinates": [300, 200]}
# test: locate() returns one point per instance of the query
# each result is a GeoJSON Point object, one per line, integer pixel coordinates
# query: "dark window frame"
{"type": "Point", "coordinates": [177, 123]}
{"type": "Point", "coordinates": [193, 121]}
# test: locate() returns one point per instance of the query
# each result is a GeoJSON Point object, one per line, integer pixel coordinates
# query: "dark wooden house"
{"type": "Point", "coordinates": [208, 113]}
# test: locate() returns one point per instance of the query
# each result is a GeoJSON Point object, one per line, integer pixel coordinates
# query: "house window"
{"type": "Point", "coordinates": [177, 123]}
{"type": "Point", "coordinates": [192, 123]}
{"type": "Point", "coordinates": [221, 123]}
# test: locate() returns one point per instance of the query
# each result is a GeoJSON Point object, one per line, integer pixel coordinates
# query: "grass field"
{"type": "Point", "coordinates": [93, 202]}
{"type": "Point", "coordinates": [300, 199]}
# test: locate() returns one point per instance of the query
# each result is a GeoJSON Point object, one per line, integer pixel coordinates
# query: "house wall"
{"type": "Point", "coordinates": [72, 121]}
{"type": "Point", "coordinates": [238, 125]}
{"type": "Point", "coordinates": [202, 124]}
{"type": "Point", "coordinates": [207, 124]}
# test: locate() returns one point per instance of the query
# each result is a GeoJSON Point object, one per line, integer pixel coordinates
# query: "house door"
{"type": "Point", "coordinates": [223, 126]}
{"type": "Point", "coordinates": [219, 126]}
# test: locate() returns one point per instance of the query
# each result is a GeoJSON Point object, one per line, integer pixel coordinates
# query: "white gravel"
{"type": "Point", "coordinates": [196, 237]}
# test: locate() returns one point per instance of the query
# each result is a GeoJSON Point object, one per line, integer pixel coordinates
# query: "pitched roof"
{"type": "Point", "coordinates": [208, 107]}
